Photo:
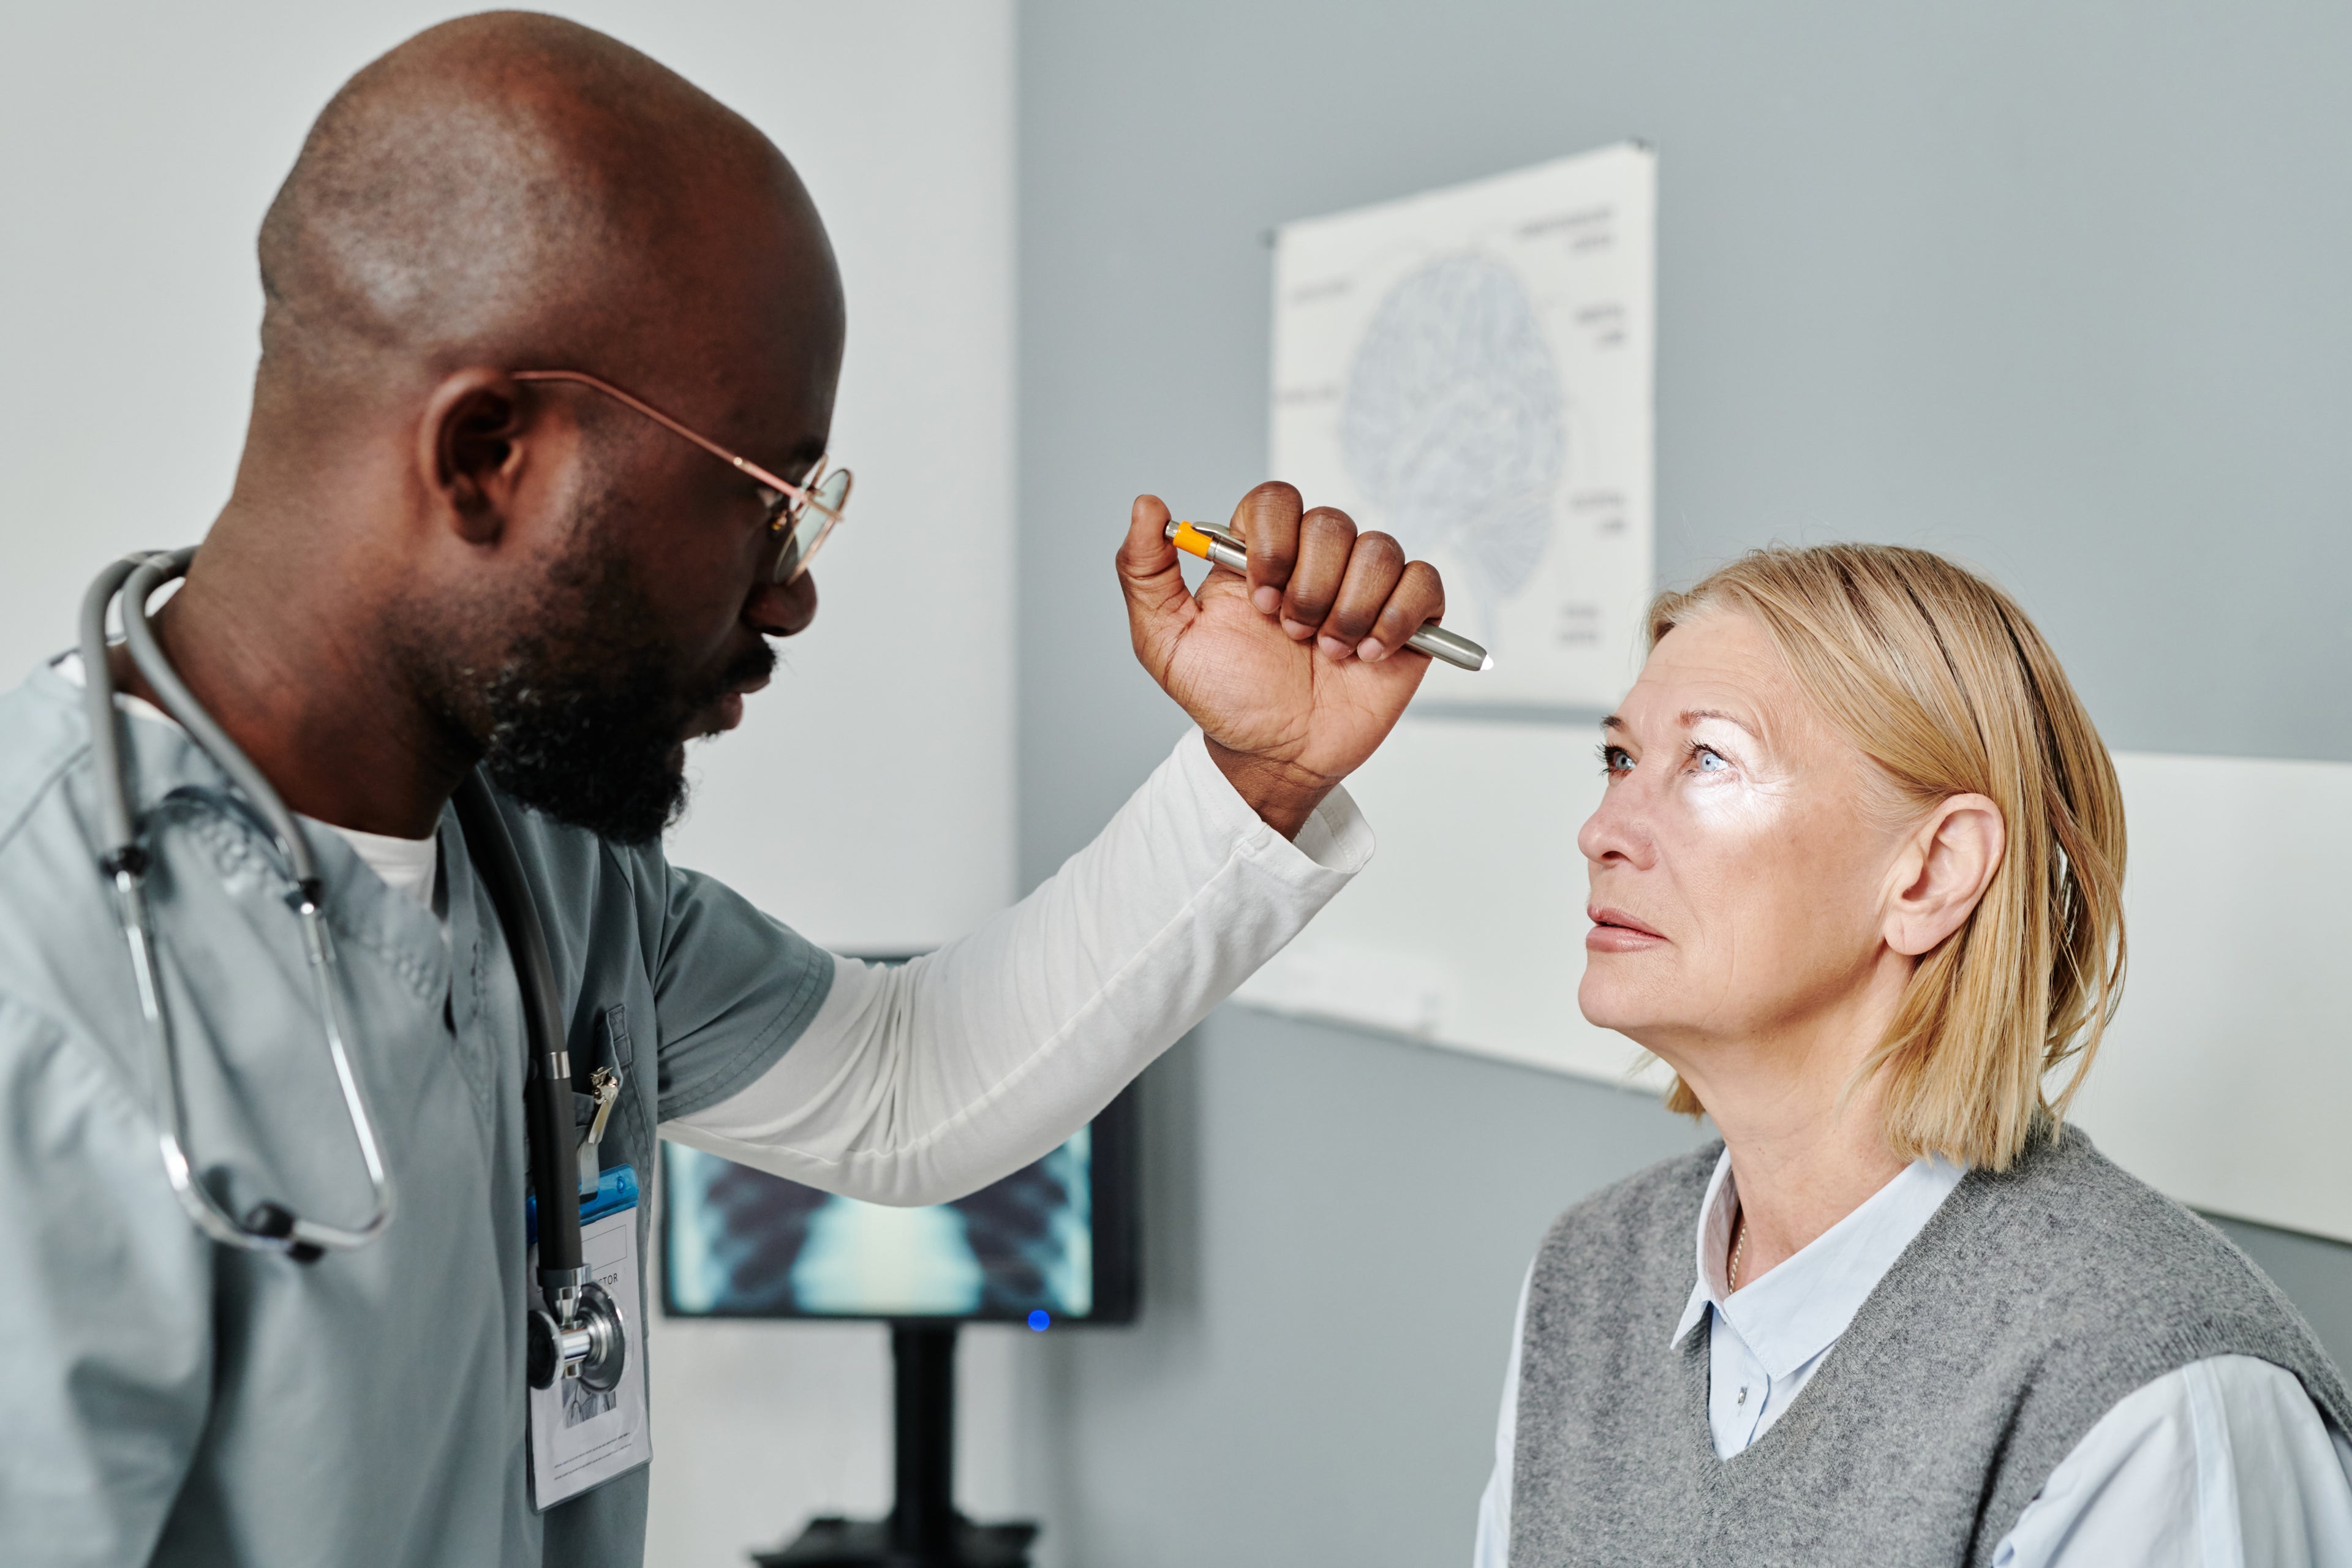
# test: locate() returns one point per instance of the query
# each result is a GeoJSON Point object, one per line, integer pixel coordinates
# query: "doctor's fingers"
{"type": "Point", "coordinates": [1327, 543]}
{"type": "Point", "coordinates": [1382, 593]}
{"type": "Point", "coordinates": [1267, 522]}
{"type": "Point", "coordinates": [1376, 567]}
{"type": "Point", "coordinates": [1419, 595]}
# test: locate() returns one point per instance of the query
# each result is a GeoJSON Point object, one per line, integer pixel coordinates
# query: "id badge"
{"type": "Point", "coordinates": [579, 1438]}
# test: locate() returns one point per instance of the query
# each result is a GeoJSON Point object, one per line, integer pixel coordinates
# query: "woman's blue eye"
{"type": "Point", "coordinates": [1613, 760]}
{"type": "Point", "coordinates": [1710, 763]}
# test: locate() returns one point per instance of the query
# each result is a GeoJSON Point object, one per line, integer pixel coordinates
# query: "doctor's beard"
{"type": "Point", "coordinates": [585, 717]}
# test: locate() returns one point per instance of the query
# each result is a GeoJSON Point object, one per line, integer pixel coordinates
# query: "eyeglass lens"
{"type": "Point", "coordinates": [814, 524]}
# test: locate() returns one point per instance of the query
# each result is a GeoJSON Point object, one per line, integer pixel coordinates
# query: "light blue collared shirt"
{"type": "Point", "coordinates": [2224, 1463]}
{"type": "Point", "coordinates": [1769, 1340]}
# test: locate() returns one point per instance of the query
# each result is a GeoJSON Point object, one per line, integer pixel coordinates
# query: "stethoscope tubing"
{"type": "Point", "coordinates": [547, 1098]}
{"type": "Point", "coordinates": [580, 1331]}
{"type": "Point", "coordinates": [124, 862]}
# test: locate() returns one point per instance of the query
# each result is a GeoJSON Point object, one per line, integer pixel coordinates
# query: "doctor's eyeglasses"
{"type": "Point", "coordinates": [798, 535]}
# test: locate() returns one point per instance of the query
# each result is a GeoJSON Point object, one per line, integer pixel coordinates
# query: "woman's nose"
{"type": "Point", "coordinates": [781, 609]}
{"type": "Point", "coordinates": [1618, 830]}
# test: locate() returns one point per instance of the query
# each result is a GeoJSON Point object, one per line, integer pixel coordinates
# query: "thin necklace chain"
{"type": "Point", "coordinates": [1738, 1251]}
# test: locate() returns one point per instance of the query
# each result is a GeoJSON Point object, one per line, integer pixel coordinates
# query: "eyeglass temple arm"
{"type": "Point", "coordinates": [782, 487]}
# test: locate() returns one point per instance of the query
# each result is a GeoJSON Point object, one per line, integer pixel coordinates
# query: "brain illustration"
{"type": "Point", "coordinates": [1453, 421]}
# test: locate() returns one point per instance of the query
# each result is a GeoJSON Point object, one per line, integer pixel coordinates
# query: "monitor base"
{"type": "Point", "coordinates": [924, 1530]}
{"type": "Point", "coordinates": [866, 1543]}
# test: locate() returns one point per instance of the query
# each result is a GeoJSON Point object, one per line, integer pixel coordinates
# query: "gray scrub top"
{"type": "Point", "coordinates": [163, 1398]}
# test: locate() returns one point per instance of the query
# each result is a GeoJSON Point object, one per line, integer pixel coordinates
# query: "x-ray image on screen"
{"type": "Point", "coordinates": [741, 1243]}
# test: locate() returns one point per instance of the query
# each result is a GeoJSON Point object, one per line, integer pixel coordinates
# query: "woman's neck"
{"type": "Point", "coordinates": [1807, 1142]}
{"type": "Point", "coordinates": [1794, 1187]}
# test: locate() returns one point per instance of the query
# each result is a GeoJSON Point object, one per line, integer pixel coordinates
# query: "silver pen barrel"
{"type": "Point", "coordinates": [1432, 639]}
{"type": "Point", "coordinates": [1451, 647]}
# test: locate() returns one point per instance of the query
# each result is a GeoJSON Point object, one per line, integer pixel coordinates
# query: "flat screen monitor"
{"type": "Point", "coordinates": [1051, 1244]}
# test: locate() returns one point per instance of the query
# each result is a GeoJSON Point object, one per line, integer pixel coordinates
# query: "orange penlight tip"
{"type": "Point", "coordinates": [1190, 540]}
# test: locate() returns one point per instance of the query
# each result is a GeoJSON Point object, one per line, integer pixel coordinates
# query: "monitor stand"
{"type": "Point", "coordinates": [924, 1530]}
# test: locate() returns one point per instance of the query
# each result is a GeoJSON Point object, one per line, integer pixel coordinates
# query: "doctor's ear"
{"type": "Point", "coordinates": [470, 451]}
{"type": "Point", "coordinates": [1941, 872]}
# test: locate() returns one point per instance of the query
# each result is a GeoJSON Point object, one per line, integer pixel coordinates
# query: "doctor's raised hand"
{"type": "Point", "coordinates": [1298, 672]}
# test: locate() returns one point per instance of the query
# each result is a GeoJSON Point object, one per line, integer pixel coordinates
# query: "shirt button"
{"type": "Point", "coordinates": [1743, 1394]}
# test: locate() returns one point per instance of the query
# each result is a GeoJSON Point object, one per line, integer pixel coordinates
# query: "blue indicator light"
{"type": "Point", "coordinates": [1041, 1320]}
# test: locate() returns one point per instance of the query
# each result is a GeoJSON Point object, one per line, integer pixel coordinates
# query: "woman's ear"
{"type": "Point", "coordinates": [1943, 870]}
{"type": "Point", "coordinates": [470, 450]}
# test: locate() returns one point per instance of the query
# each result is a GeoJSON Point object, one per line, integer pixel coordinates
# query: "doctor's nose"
{"type": "Point", "coordinates": [781, 609]}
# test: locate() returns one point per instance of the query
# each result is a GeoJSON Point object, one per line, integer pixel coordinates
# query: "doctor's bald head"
{"type": "Point", "coordinates": [567, 589]}
{"type": "Point", "coordinates": [517, 188]}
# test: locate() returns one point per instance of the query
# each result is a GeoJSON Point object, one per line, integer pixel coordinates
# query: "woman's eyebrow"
{"type": "Point", "coordinates": [1689, 716]}
{"type": "Point", "coordinates": [1693, 715]}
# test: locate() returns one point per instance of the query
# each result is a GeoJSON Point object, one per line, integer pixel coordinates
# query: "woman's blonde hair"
{"type": "Point", "coordinates": [1940, 679]}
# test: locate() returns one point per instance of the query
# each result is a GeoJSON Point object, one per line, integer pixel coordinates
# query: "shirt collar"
{"type": "Point", "coordinates": [1799, 1309]}
{"type": "Point", "coordinates": [69, 670]}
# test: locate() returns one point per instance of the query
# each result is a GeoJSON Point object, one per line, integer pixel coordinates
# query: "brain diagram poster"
{"type": "Point", "coordinates": [1470, 370]}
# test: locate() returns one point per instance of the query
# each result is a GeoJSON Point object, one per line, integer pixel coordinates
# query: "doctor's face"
{"type": "Point", "coordinates": [654, 602]}
{"type": "Point", "coordinates": [1739, 858]}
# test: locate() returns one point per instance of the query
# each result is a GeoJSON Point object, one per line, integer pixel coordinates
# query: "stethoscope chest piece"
{"type": "Point", "coordinates": [595, 1350]}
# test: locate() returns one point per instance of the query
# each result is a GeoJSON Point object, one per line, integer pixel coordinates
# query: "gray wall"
{"type": "Point", "coordinates": [2059, 289]}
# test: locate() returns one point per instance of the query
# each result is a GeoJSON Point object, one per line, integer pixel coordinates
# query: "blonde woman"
{"type": "Point", "coordinates": [1857, 878]}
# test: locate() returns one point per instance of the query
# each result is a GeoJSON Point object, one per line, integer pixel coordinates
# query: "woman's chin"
{"type": "Point", "coordinates": [1607, 1003]}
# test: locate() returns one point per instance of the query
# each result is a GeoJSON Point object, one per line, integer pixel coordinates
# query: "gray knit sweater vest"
{"type": "Point", "coordinates": [2031, 1304]}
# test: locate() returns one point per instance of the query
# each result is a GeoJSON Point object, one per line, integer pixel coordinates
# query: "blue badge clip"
{"type": "Point", "coordinates": [617, 1190]}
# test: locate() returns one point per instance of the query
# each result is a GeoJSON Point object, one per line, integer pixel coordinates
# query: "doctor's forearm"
{"type": "Point", "coordinates": [917, 1084]}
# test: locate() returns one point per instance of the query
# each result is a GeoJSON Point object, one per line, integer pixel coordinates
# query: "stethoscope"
{"type": "Point", "coordinates": [579, 1332]}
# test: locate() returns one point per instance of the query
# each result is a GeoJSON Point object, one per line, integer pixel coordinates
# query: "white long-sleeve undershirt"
{"type": "Point", "coordinates": [919, 1083]}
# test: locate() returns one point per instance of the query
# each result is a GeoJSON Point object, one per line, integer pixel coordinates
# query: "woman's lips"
{"type": "Point", "coordinates": [1615, 931]}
